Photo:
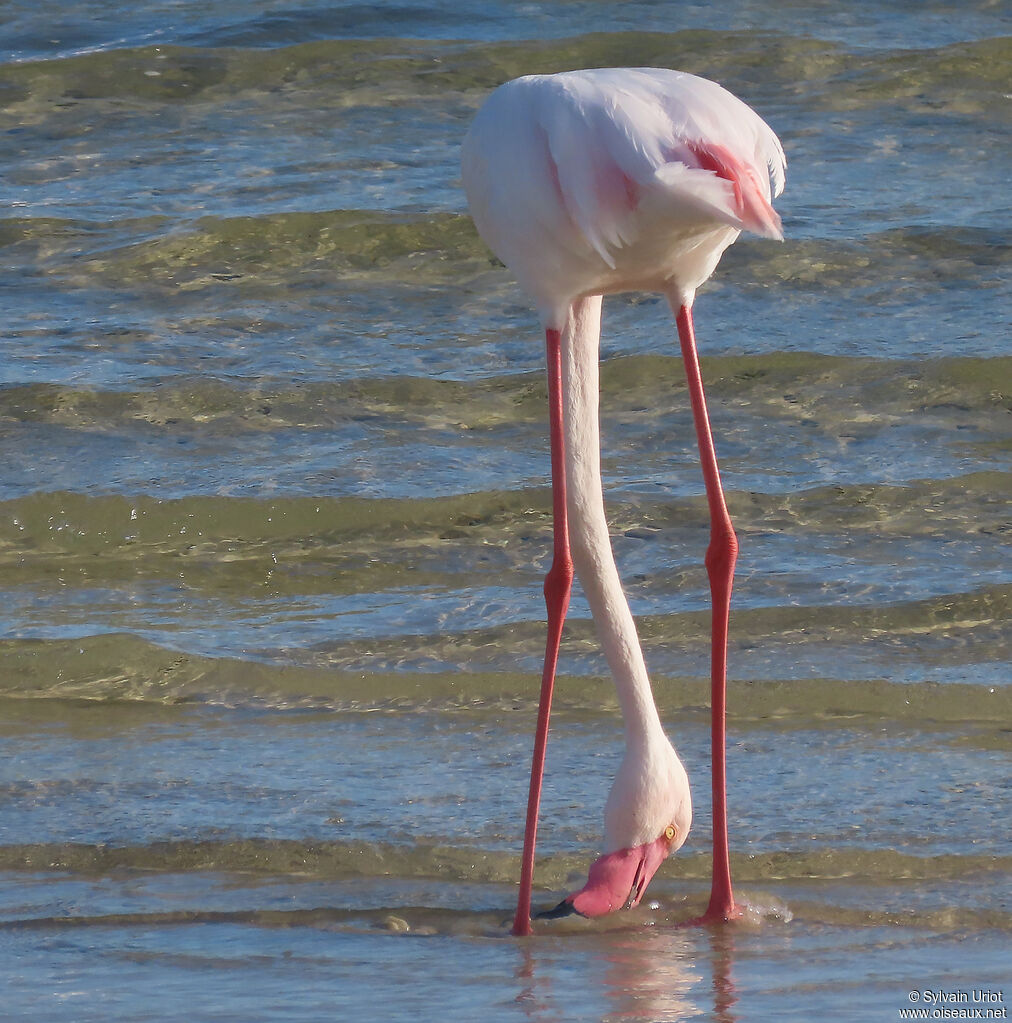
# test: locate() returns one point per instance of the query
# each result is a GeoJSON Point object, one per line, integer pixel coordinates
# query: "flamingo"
{"type": "Point", "coordinates": [587, 183]}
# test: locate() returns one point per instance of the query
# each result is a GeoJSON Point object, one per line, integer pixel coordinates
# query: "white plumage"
{"type": "Point", "coordinates": [617, 179]}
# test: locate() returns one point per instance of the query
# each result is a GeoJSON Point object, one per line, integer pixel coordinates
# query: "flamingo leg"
{"type": "Point", "coordinates": [721, 555]}
{"type": "Point", "coordinates": [558, 585]}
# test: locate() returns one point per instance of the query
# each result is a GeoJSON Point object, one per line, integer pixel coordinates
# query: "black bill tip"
{"type": "Point", "coordinates": [564, 908]}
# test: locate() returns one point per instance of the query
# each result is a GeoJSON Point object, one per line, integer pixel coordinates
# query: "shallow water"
{"type": "Point", "coordinates": [274, 517]}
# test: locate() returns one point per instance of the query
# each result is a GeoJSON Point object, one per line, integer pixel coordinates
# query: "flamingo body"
{"type": "Point", "coordinates": [587, 183]}
{"type": "Point", "coordinates": [593, 182]}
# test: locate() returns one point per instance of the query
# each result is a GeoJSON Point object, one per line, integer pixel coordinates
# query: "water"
{"type": "Point", "coordinates": [273, 520]}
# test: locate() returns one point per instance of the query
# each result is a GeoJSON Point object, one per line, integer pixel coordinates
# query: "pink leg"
{"type": "Point", "coordinates": [558, 584]}
{"type": "Point", "coordinates": [720, 558]}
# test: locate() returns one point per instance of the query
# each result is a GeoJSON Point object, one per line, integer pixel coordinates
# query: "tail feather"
{"type": "Point", "coordinates": [724, 186]}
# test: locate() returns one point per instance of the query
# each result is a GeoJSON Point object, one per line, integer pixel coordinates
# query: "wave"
{"type": "Point", "coordinates": [881, 265]}
{"type": "Point", "coordinates": [263, 250]}
{"type": "Point", "coordinates": [417, 250]}
{"type": "Point", "coordinates": [837, 885]}
{"type": "Point", "coordinates": [338, 861]}
{"type": "Point", "coordinates": [659, 915]}
{"type": "Point", "coordinates": [388, 69]}
{"type": "Point", "coordinates": [776, 385]}
{"type": "Point", "coordinates": [232, 529]}
{"type": "Point", "coordinates": [126, 668]}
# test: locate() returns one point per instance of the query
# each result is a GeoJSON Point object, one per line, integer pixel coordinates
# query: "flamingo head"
{"type": "Point", "coordinates": [617, 880]}
{"type": "Point", "coordinates": [647, 817]}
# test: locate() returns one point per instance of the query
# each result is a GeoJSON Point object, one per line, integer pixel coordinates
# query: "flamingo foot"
{"type": "Point", "coordinates": [722, 909]}
{"type": "Point", "coordinates": [715, 917]}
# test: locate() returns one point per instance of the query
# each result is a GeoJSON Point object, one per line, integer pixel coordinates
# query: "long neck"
{"type": "Point", "coordinates": [591, 544]}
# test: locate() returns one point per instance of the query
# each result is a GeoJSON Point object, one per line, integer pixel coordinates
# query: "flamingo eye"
{"type": "Point", "coordinates": [669, 832]}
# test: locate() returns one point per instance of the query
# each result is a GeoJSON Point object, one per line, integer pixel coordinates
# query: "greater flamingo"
{"type": "Point", "coordinates": [586, 183]}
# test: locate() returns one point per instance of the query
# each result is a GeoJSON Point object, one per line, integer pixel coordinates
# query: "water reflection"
{"type": "Point", "coordinates": [652, 974]}
{"type": "Point", "coordinates": [722, 961]}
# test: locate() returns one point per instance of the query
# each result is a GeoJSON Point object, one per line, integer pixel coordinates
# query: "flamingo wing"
{"type": "Point", "coordinates": [646, 140]}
